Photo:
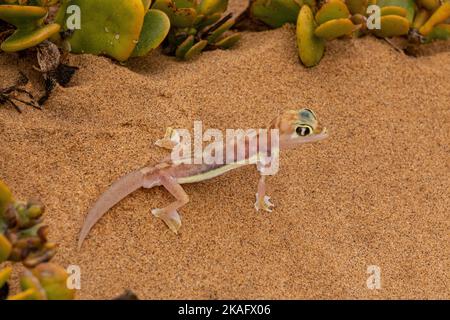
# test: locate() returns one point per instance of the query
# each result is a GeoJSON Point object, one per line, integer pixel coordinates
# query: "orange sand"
{"type": "Point", "coordinates": [375, 193]}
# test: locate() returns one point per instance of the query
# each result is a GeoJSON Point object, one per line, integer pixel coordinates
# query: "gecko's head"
{"type": "Point", "coordinates": [297, 127]}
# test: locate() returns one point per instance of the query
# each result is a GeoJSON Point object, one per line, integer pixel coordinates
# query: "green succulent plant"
{"type": "Point", "coordinates": [117, 28]}
{"type": "Point", "coordinates": [426, 20]}
{"type": "Point", "coordinates": [275, 13]}
{"type": "Point", "coordinates": [28, 20]}
{"type": "Point", "coordinates": [197, 26]}
{"type": "Point", "coordinates": [47, 281]}
{"type": "Point", "coordinates": [40, 3]}
{"type": "Point", "coordinates": [23, 238]}
{"type": "Point", "coordinates": [121, 28]}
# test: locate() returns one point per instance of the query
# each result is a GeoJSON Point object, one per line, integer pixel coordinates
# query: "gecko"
{"type": "Point", "coordinates": [293, 128]}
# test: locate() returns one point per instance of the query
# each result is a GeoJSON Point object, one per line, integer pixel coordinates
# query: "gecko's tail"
{"type": "Point", "coordinates": [119, 190]}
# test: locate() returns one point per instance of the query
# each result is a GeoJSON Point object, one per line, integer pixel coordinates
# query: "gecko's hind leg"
{"type": "Point", "coordinates": [170, 214]}
{"type": "Point", "coordinates": [170, 139]}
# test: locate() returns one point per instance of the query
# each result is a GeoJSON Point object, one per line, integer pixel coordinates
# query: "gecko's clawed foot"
{"type": "Point", "coordinates": [171, 219]}
{"type": "Point", "coordinates": [170, 139]}
{"type": "Point", "coordinates": [263, 203]}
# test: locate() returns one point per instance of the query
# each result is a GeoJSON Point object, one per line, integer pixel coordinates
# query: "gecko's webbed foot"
{"type": "Point", "coordinates": [263, 203]}
{"type": "Point", "coordinates": [171, 219]}
{"type": "Point", "coordinates": [170, 139]}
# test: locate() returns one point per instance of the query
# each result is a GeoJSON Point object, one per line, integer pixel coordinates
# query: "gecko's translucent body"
{"type": "Point", "coordinates": [295, 127]}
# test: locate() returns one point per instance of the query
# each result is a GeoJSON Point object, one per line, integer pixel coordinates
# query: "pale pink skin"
{"type": "Point", "coordinates": [167, 173]}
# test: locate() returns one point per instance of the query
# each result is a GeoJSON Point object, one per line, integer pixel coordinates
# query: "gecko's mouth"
{"type": "Point", "coordinates": [317, 137]}
{"type": "Point", "coordinates": [290, 143]}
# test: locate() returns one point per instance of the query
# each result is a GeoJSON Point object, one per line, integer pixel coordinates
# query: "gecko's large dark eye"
{"type": "Point", "coordinates": [304, 131]}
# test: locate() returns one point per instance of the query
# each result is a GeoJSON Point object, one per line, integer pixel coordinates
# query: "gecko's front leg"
{"type": "Point", "coordinates": [262, 200]}
{"type": "Point", "coordinates": [170, 214]}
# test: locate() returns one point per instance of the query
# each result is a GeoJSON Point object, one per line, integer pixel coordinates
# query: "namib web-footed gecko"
{"type": "Point", "coordinates": [293, 128]}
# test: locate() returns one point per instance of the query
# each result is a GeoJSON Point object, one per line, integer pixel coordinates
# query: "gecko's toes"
{"type": "Point", "coordinates": [166, 144]}
{"type": "Point", "coordinates": [263, 204]}
{"type": "Point", "coordinates": [170, 140]}
{"type": "Point", "coordinates": [171, 219]}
